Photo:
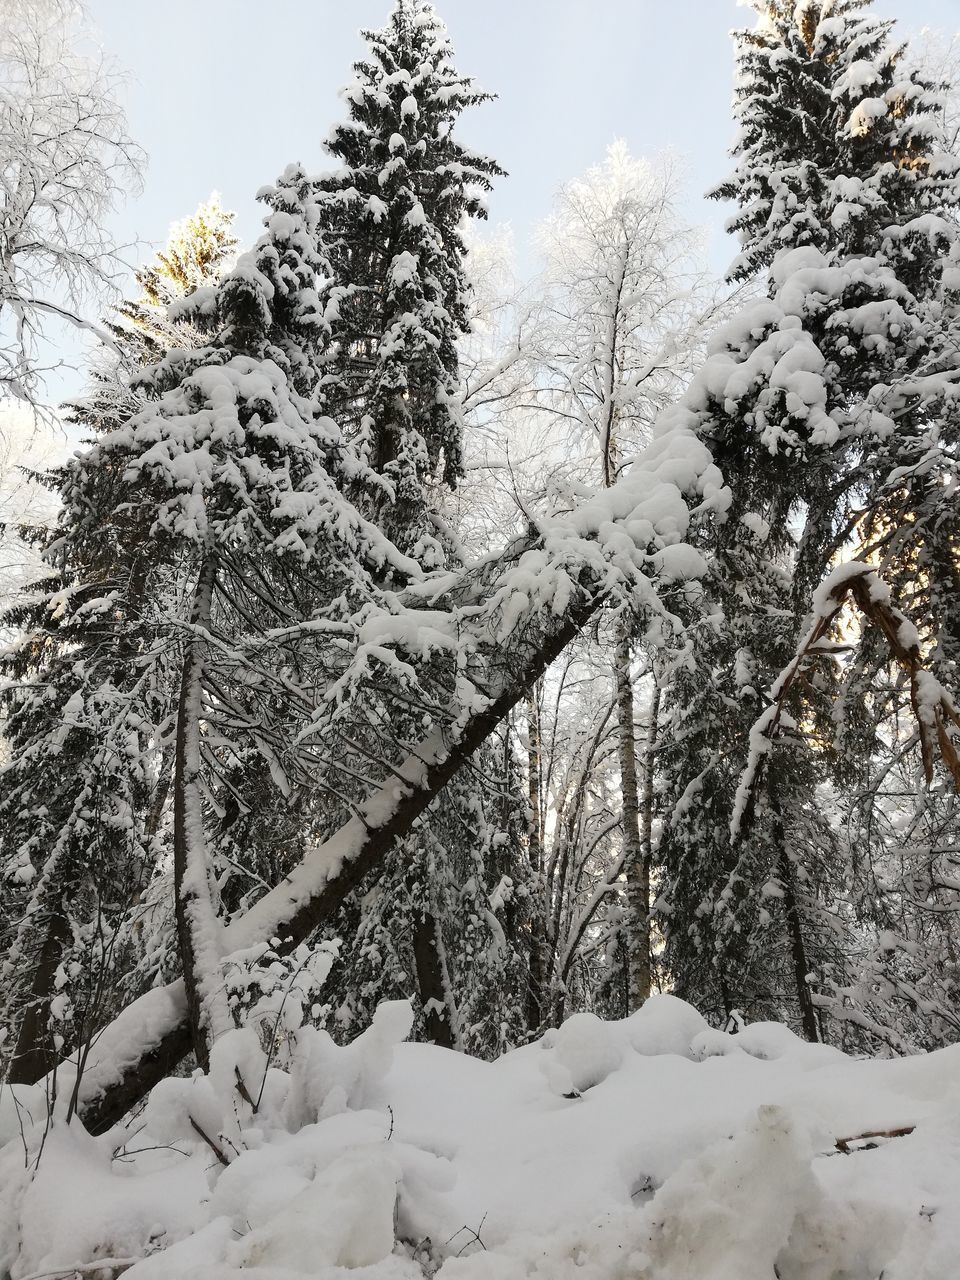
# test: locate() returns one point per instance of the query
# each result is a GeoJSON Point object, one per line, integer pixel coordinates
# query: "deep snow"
{"type": "Point", "coordinates": [649, 1148]}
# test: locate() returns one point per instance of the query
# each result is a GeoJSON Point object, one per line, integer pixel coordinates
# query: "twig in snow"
{"type": "Point", "coordinates": [843, 1144]}
{"type": "Point", "coordinates": [475, 1237]}
{"type": "Point", "coordinates": [217, 1151]}
{"type": "Point", "coordinates": [244, 1092]}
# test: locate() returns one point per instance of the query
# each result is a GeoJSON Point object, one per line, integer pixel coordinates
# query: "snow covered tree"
{"type": "Point", "coordinates": [392, 219]}
{"type": "Point", "coordinates": [67, 159]}
{"type": "Point", "coordinates": [937, 56]}
{"type": "Point", "coordinates": [843, 191]}
{"type": "Point", "coordinates": [245, 479]}
{"type": "Point", "coordinates": [626, 304]}
{"type": "Point", "coordinates": [197, 251]}
{"type": "Point", "coordinates": [85, 704]}
{"type": "Point", "coordinates": [576, 798]}
{"type": "Point", "coordinates": [391, 222]}
{"type": "Point", "coordinates": [462, 647]}
{"type": "Point", "coordinates": [834, 131]}
{"type": "Point", "coordinates": [27, 446]}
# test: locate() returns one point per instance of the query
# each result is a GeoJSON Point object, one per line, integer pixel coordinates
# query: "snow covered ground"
{"type": "Point", "coordinates": [649, 1149]}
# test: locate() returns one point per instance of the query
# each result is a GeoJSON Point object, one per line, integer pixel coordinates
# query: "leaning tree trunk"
{"type": "Point", "coordinates": [147, 1041]}
{"type": "Point", "coordinates": [199, 926]}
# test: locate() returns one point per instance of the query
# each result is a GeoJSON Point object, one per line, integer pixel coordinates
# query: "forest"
{"type": "Point", "coordinates": [480, 751]}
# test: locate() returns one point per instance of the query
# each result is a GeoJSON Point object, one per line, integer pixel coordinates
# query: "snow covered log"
{"type": "Point", "coordinates": [149, 1038]}
{"type": "Point", "coordinates": [521, 611]}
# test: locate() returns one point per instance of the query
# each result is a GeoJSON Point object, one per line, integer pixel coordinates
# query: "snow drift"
{"type": "Point", "coordinates": [655, 1147]}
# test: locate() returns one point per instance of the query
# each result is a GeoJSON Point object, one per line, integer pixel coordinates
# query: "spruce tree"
{"type": "Point", "coordinates": [244, 479]}
{"type": "Point", "coordinates": [187, 530]}
{"type": "Point", "coordinates": [842, 195]}
{"type": "Point", "coordinates": [833, 128]}
{"type": "Point", "coordinates": [391, 221]}
{"type": "Point", "coordinates": [84, 705]}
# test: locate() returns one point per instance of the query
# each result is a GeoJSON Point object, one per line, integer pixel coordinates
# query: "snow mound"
{"type": "Point", "coordinates": [652, 1148]}
{"type": "Point", "coordinates": [586, 1050]}
{"type": "Point", "coordinates": [343, 1218]}
{"type": "Point", "coordinates": [664, 1024]}
{"type": "Point", "coordinates": [328, 1078]}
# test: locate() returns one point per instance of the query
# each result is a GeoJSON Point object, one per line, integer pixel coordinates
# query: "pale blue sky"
{"type": "Point", "coordinates": [224, 93]}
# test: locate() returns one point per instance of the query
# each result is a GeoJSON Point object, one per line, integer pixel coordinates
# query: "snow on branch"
{"type": "Point", "coordinates": [511, 616]}
{"type": "Point", "coordinates": [935, 710]}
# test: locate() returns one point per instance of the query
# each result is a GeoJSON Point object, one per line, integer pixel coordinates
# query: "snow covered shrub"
{"type": "Point", "coordinates": [327, 1078]}
{"type": "Point", "coordinates": [278, 994]}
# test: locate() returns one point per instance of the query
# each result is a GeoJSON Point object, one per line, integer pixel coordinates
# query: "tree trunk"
{"type": "Point", "coordinates": [430, 971]}
{"type": "Point", "coordinates": [798, 952]}
{"type": "Point", "coordinates": [199, 927]}
{"type": "Point", "coordinates": [536, 993]}
{"type": "Point", "coordinates": [430, 982]}
{"type": "Point", "coordinates": [646, 834]}
{"type": "Point", "coordinates": [35, 1053]}
{"type": "Point", "coordinates": [635, 864]}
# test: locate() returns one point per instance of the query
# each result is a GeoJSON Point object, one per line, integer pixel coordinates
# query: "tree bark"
{"type": "Point", "coordinates": [433, 987]}
{"type": "Point", "coordinates": [536, 994]}
{"type": "Point", "coordinates": [635, 864]}
{"type": "Point", "coordinates": [35, 1054]}
{"type": "Point", "coordinates": [199, 928]}
{"type": "Point", "coordinates": [646, 835]}
{"type": "Point", "coordinates": [798, 951]}
{"type": "Point", "coordinates": [426, 954]}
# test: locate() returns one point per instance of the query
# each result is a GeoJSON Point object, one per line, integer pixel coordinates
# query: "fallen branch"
{"type": "Point", "coordinates": [843, 1144]}
{"type": "Point", "coordinates": [150, 1037]}
{"type": "Point", "coordinates": [217, 1151]}
{"type": "Point", "coordinates": [86, 1268]}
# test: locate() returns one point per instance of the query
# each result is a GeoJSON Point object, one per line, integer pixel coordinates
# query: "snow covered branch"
{"type": "Point", "coordinates": [935, 710]}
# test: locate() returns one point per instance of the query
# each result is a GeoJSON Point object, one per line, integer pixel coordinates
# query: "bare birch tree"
{"type": "Point", "coordinates": [66, 159]}
{"type": "Point", "coordinates": [625, 306]}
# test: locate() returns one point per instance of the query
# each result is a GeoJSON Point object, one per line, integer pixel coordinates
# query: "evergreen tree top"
{"type": "Point", "coordinates": [838, 138]}
{"type": "Point", "coordinates": [403, 105]}
{"type": "Point", "coordinates": [198, 249]}
{"type": "Point", "coordinates": [224, 443]}
{"type": "Point", "coordinates": [391, 225]}
{"type": "Point", "coordinates": [271, 304]}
